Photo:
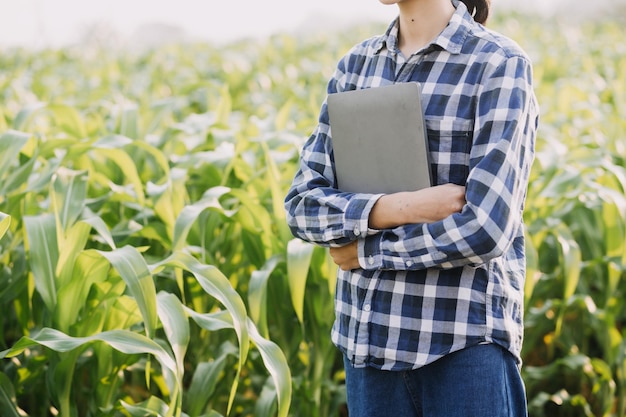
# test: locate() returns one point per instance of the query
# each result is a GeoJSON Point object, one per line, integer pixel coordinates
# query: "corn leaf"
{"type": "Point", "coordinates": [273, 358]}
{"type": "Point", "coordinates": [5, 222]}
{"type": "Point", "coordinates": [87, 269]}
{"type": "Point", "coordinates": [157, 155]}
{"type": "Point", "coordinates": [571, 260]}
{"type": "Point", "coordinates": [101, 228]}
{"type": "Point", "coordinates": [218, 286]}
{"type": "Point", "coordinates": [124, 341]}
{"type": "Point", "coordinates": [614, 219]}
{"type": "Point", "coordinates": [224, 107]}
{"type": "Point", "coordinates": [68, 193]}
{"type": "Point", "coordinates": [25, 114]}
{"type": "Point", "coordinates": [278, 209]}
{"type": "Point", "coordinates": [153, 406]}
{"type": "Point", "coordinates": [109, 147]}
{"type": "Point", "coordinates": [129, 121]}
{"type": "Point", "coordinates": [8, 403]}
{"type": "Point", "coordinates": [44, 255]}
{"type": "Point", "coordinates": [212, 322]}
{"type": "Point", "coordinates": [283, 116]}
{"type": "Point", "coordinates": [134, 271]}
{"type": "Point", "coordinates": [68, 119]}
{"type": "Point", "coordinates": [175, 326]}
{"type": "Point", "coordinates": [17, 179]}
{"type": "Point", "coordinates": [532, 269]}
{"type": "Point", "coordinates": [10, 144]}
{"type": "Point", "coordinates": [190, 213]}
{"type": "Point", "coordinates": [70, 245]}
{"type": "Point", "coordinates": [276, 363]}
{"type": "Point", "coordinates": [299, 254]}
{"type": "Point", "coordinates": [172, 199]}
{"type": "Point", "coordinates": [257, 294]}
{"type": "Point", "coordinates": [205, 379]}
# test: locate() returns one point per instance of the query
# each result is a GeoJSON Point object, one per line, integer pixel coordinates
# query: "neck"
{"type": "Point", "coordinates": [421, 21]}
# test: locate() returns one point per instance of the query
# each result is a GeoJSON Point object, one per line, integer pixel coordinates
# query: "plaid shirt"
{"type": "Point", "coordinates": [426, 290]}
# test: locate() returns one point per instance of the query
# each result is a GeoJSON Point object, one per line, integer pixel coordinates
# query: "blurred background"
{"type": "Point", "coordinates": [55, 23]}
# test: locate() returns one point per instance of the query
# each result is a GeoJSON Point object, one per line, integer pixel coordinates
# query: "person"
{"type": "Point", "coordinates": [429, 298]}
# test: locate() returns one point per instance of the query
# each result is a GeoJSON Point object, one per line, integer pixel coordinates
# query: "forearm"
{"type": "Point", "coordinates": [462, 239]}
{"type": "Point", "coordinates": [422, 206]}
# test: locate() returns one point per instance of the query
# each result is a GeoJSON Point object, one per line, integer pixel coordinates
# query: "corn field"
{"type": "Point", "coordinates": [146, 268]}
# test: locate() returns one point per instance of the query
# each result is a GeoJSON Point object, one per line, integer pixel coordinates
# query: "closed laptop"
{"type": "Point", "coordinates": [379, 139]}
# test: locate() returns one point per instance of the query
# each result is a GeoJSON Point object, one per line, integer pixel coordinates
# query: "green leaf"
{"type": "Point", "coordinates": [100, 226]}
{"type": "Point", "coordinates": [68, 193]}
{"type": "Point", "coordinates": [124, 341]}
{"type": "Point", "coordinates": [571, 259]}
{"type": "Point", "coordinates": [8, 403]}
{"type": "Point", "coordinates": [224, 107]}
{"type": "Point", "coordinates": [299, 254]}
{"type": "Point", "coordinates": [265, 405]}
{"type": "Point", "coordinates": [273, 358]}
{"type": "Point", "coordinates": [276, 363]}
{"type": "Point", "coordinates": [25, 113]}
{"type": "Point", "coordinates": [614, 219]}
{"type": "Point", "coordinates": [257, 293]}
{"type": "Point", "coordinates": [206, 377]}
{"type": "Point", "coordinates": [218, 286]}
{"type": "Point", "coordinates": [129, 121]}
{"type": "Point", "coordinates": [5, 222]}
{"type": "Point", "coordinates": [87, 269]}
{"type": "Point", "coordinates": [153, 406]}
{"type": "Point", "coordinates": [189, 214]}
{"type": "Point", "coordinates": [63, 373]}
{"type": "Point", "coordinates": [283, 116]}
{"type": "Point", "coordinates": [126, 164]}
{"type": "Point", "coordinates": [68, 119]}
{"type": "Point", "coordinates": [175, 326]}
{"type": "Point", "coordinates": [17, 179]}
{"type": "Point", "coordinates": [278, 208]}
{"type": "Point", "coordinates": [112, 142]}
{"type": "Point", "coordinates": [134, 271]}
{"type": "Point", "coordinates": [70, 245]}
{"type": "Point", "coordinates": [10, 144]}
{"type": "Point", "coordinates": [157, 155]}
{"type": "Point", "coordinates": [44, 255]}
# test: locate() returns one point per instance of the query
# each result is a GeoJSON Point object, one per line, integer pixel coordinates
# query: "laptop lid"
{"type": "Point", "coordinates": [379, 139]}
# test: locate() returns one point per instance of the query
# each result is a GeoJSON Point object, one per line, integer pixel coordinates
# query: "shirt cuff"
{"type": "Point", "coordinates": [380, 252]}
{"type": "Point", "coordinates": [357, 213]}
{"type": "Point", "coordinates": [370, 256]}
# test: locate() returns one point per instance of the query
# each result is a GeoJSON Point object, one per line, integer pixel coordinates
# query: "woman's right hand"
{"type": "Point", "coordinates": [423, 206]}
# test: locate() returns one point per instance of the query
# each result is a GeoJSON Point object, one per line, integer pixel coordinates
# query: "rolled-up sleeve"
{"type": "Point", "coordinates": [316, 210]}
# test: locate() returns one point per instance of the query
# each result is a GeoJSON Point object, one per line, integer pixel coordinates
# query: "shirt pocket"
{"type": "Point", "coordinates": [450, 143]}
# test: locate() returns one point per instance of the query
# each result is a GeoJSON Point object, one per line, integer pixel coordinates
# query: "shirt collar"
{"type": "Point", "coordinates": [450, 39]}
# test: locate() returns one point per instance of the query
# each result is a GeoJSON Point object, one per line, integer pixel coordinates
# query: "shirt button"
{"type": "Point", "coordinates": [367, 307]}
{"type": "Point", "coordinates": [357, 231]}
{"type": "Point", "coordinates": [409, 263]}
{"type": "Point", "coordinates": [370, 260]}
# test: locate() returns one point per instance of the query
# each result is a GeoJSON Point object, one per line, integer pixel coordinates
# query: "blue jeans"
{"type": "Point", "coordinates": [480, 381]}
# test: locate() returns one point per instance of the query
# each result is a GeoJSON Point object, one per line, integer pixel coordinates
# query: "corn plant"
{"type": "Point", "coordinates": [576, 216]}
{"type": "Point", "coordinates": [145, 264]}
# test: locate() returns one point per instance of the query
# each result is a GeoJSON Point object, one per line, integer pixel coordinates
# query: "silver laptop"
{"type": "Point", "coordinates": [379, 139]}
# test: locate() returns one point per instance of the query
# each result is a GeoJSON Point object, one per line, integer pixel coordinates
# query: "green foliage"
{"type": "Point", "coordinates": [146, 267]}
{"type": "Point", "coordinates": [575, 343]}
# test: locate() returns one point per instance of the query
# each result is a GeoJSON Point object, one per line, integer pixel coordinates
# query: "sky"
{"type": "Point", "coordinates": [42, 23]}
{"type": "Point", "coordinates": [54, 22]}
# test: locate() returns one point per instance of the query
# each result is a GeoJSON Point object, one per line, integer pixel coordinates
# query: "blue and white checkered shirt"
{"type": "Point", "coordinates": [426, 290]}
